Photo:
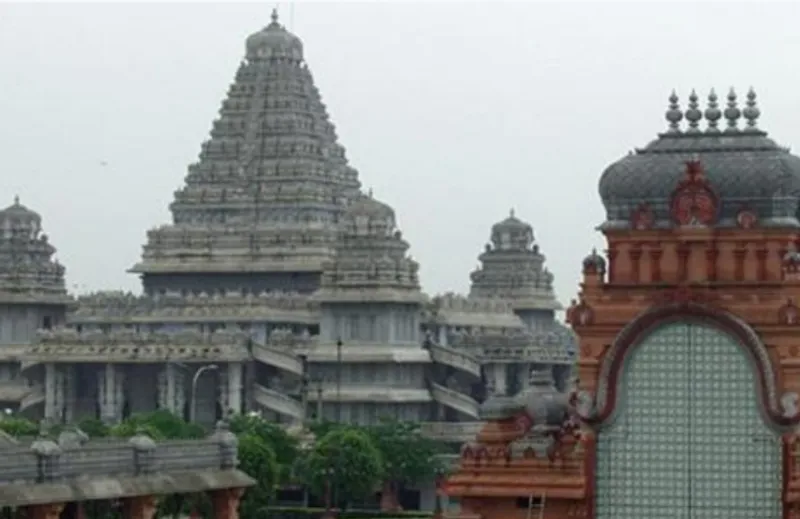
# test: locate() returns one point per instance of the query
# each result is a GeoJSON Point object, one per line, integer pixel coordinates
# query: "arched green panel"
{"type": "Point", "coordinates": [688, 441]}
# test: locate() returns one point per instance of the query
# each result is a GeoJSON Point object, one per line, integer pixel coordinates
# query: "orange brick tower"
{"type": "Point", "coordinates": [689, 336]}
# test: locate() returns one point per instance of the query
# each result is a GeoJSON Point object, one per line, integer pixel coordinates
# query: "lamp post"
{"type": "Point", "coordinates": [338, 416]}
{"type": "Point", "coordinates": [193, 394]}
{"type": "Point", "coordinates": [329, 472]}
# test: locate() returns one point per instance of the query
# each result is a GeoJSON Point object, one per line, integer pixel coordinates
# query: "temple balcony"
{"type": "Point", "coordinates": [278, 402]}
{"type": "Point", "coordinates": [454, 399]}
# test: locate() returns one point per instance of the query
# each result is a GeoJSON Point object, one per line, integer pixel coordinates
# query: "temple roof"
{"type": "Point", "coordinates": [28, 272]}
{"type": "Point", "coordinates": [371, 263]}
{"type": "Point", "coordinates": [742, 164]}
{"type": "Point", "coordinates": [271, 181]}
{"type": "Point", "coordinates": [512, 268]}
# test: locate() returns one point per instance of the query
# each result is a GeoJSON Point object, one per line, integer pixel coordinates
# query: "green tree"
{"type": "Point", "coordinates": [284, 446]}
{"type": "Point", "coordinates": [258, 460]}
{"type": "Point", "coordinates": [18, 426]}
{"type": "Point", "coordinates": [408, 457]}
{"type": "Point", "coordinates": [346, 459]}
{"type": "Point", "coordinates": [159, 425]}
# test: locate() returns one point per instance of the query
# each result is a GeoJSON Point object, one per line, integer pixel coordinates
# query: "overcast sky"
{"type": "Point", "coordinates": [452, 112]}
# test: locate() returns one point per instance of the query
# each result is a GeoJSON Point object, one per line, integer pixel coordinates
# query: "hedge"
{"type": "Point", "coordinates": [286, 512]}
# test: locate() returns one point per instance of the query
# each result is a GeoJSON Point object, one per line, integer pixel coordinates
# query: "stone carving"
{"type": "Point", "coordinates": [66, 344]}
{"type": "Point", "coordinates": [788, 313]}
{"type": "Point", "coordinates": [174, 305]}
{"type": "Point", "coordinates": [694, 201]}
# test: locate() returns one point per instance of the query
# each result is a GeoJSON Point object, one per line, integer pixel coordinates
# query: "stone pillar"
{"type": "Point", "coordinates": [50, 383]}
{"type": "Point", "coordinates": [70, 391]}
{"type": "Point", "coordinates": [110, 393]}
{"type": "Point", "coordinates": [170, 390]}
{"type": "Point", "coordinates": [226, 503]}
{"type": "Point", "coordinates": [222, 390]}
{"type": "Point", "coordinates": [500, 379]}
{"type": "Point", "coordinates": [139, 507]}
{"type": "Point", "coordinates": [48, 511]}
{"type": "Point", "coordinates": [234, 383]}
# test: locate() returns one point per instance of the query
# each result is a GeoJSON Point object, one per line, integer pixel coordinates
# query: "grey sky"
{"type": "Point", "coordinates": [453, 113]}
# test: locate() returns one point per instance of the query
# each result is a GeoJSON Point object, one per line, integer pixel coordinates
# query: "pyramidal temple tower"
{"type": "Point", "coordinates": [260, 207]}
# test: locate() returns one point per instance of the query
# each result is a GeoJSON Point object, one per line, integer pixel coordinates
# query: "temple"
{"type": "Point", "coordinates": [686, 398]}
{"type": "Point", "coordinates": [278, 287]}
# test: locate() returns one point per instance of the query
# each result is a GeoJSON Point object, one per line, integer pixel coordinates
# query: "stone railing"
{"type": "Point", "coordinates": [69, 345]}
{"type": "Point", "coordinates": [515, 346]}
{"type": "Point", "coordinates": [460, 432]}
{"type": "Point", "coordinates": [47, 461]}
{"type": "Point", "coordinates": [278, 402]}
{"type": "Point", "coordinates": [459, 360]}
{"type": "Point", "coordinates": [463, 304]}
{"type": "Point", "coordinates": [455, 400]}
{"type": "Point", "coordinates": [105, 306]}
{"type": "Point", "coordinates": [183, 337]}
{"type": "Point", "coordinates": [280, 358]}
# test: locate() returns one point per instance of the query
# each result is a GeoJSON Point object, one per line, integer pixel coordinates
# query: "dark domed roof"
{"type": "Point", "coordinates": [274, 42]}
{"type": "Point", "coordinates": [742, 164]}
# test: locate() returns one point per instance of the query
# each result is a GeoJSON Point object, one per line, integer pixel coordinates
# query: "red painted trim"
{"type": "Point", "coordinates": [590, 465]}
{"type": "Point", "coordinates": [786, 450]}
{"type": "Point", "coordinates": [633, 334]}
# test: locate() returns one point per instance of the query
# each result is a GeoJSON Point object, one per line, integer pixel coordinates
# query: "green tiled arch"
{"type": "Point", "coordinates": [688, 441]}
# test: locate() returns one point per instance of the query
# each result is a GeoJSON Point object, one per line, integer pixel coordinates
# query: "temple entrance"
{"type": "Point", "coordinates": [688, 441]}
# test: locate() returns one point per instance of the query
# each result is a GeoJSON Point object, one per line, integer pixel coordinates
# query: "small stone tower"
{"type": "Point", "coordinates": [32, 296]}
{"type": "Point", "coordinates": [370, 303]}
{"type": "Point", "coordinates": [512, 268]}
{"type": "Point", "coordinates": [32, 290]}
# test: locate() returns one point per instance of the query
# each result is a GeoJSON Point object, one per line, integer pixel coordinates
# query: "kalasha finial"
{"type": "Point", "coordinates": [274, 15]}
{"type": "Point", "coordinates": [369, 193]}
{"type": "Point", "coordinates": [511, 213]}
{"type": "Point", "coordinates": [693, 113]}
{"type": "Point", "coordinates": [732, 113]}
{"type": "Point", "coordinates": [713, 113]}
{"type": "Point", "coordinates": [674, 114]}
{"type": "Point", "coordinates": [16, 199]}
{"type": "Point", "coordinates": [751, 111]}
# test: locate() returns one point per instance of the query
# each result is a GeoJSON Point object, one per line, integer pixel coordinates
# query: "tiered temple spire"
{"type": "Point", "coordinates": [512, 268]}
{"type": "Point", "coordinates": [272, 170]}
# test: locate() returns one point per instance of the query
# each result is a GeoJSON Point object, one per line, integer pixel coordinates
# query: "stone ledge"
{"type": "Point", "coordinates": [110, 487]}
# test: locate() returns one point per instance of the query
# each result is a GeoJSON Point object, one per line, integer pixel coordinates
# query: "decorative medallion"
{"type": "Point", "coordinates": [694, 202]}
{"type": "Point", "coordinates": [788, 314]}
{"type": "Point", "coordinates": [684, 294]}
{"type": "Point", "coordinates": [642, 217]}
{"type": "Point", "coordinates": [746, 219]}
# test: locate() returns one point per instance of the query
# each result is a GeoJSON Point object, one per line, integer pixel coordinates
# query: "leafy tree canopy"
{"type": "Point", "coordinates": [283, 445]}
{"type": "Point", "coordinates": [257, 459]}
{"type": "Point", "coordinates": [347, 459]}
{"type": "Point", "coordinates": [407, 455]}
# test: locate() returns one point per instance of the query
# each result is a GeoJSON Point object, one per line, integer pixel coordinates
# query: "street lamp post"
{"type": "Point", "coordinates": [193, 394]}
{"type": "Point", "coordinates": [338, 417]}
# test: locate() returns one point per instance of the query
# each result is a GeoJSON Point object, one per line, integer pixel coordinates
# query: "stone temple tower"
{"type": "Point", "coordinates": [259, 210]}
{"type": "Point", "coordinates": [512, 268]}
{"type": "Point", "coordinates": [32, 296]}
{"type": "Point", "coordinates": [370, 352]}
